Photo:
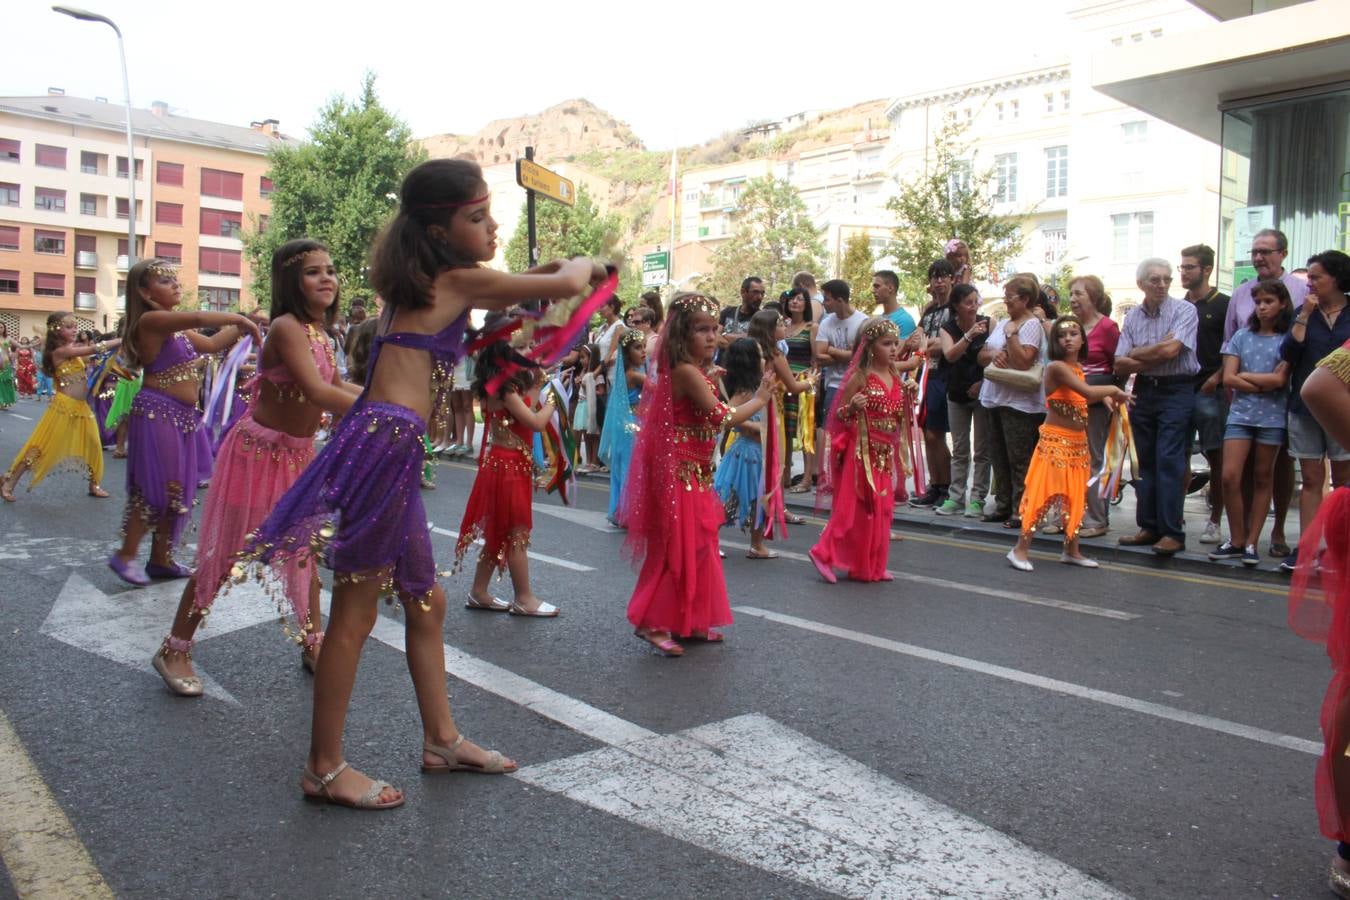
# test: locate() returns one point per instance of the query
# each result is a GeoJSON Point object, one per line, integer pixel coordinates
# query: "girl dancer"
{"type": "Point", "coordinates": [739, 481]}
{"type": "Point", "coordinates": [1057, 476]}
{"type": "Point", "coordinates": [358, 505]}
{"type": "Point", "coordinates": [25, 368]}
{"type": "Point", "coordinates": [672, 512]}
{"type": "Point", "coordinates": [499, 510]}
{"type": "Point", "coordinates": [1259, 379]}
{"type": "Point", "coordinates": [165, 430]}
{"type": "Point", "coordinates": [124, 396]}
{"type": "Point", "coordinates": [864, 427]}
{"type": "Point", "coordinates": [768, 328]}
{"type": "Point", "coordinates": [67, 429]}
{"type": "Point", "coordinates": [616, 438]}
{"type": "Point", "coordinates": [8, 396]}
{"type": "Point", "coordinates": [265, 452]}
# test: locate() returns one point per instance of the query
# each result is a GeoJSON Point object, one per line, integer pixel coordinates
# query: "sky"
{"type": "Point", "coordinates": [677, 73]}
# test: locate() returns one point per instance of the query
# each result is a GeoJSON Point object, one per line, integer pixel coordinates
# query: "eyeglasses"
{"type": "Point", "coordinates": [1159, 279]}
{"type": "Point", "coordinates": [1261, 251]}
{"type": "Point", "coordinates": [1188, 267]}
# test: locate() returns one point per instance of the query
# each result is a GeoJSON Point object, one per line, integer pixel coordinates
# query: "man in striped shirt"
{"type": "Point", "coordinates": [1157, 345]}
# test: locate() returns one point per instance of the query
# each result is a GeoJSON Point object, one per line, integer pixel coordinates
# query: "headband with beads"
{"type": "Point", "coordinates": [632, 338]}
{"type": "Point", "coordinates": [161, 271]}
{"type": "Point", "coordinates": [299, 257]}
{"type": "Point", "coordinates": [877, 329]}
{"type": "Point", "coordinates": [697, 302]}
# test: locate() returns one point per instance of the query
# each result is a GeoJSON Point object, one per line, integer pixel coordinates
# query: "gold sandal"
{"type": "Point", "coordinates": [496, 764]}
{"type": "Point", "coordinates": [369, 800]}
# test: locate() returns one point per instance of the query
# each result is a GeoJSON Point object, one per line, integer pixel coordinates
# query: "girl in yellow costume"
{"type": "Point", "coordinates": [1057, 477]}
{"type": "Point", "coordinates": [67, 430]}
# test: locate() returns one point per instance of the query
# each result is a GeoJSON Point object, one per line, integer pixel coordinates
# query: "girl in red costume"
{"type": "Point", "coordinates": [864, 428]}
{"type": "Point", "coordinates": [672, 511]}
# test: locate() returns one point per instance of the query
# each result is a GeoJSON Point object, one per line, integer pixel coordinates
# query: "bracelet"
{"type": "Point", "coordinates": [1301, 321]}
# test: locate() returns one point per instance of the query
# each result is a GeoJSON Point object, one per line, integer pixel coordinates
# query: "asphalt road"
{"type": "Point", "coordinates": [964, 731]}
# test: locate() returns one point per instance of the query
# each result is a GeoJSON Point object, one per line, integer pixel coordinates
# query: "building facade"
{"type": "Point", "coordinates": [64, 216]}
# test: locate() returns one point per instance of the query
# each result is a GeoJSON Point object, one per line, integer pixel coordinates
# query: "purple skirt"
{"type": "Point", "coordinates": [100, 403]}
{"type": "Point", "coordinates": [358, 505]}
{"type": "Point", "coordinates": [164, 441]}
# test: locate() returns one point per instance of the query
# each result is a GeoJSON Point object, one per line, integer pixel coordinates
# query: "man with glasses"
{"type": "Point", "coordinates": [1157, 345]}
{"type": "Point", "coordinates": [1207, 422]}
{"type": "Point", "coordinates": [735, 319]}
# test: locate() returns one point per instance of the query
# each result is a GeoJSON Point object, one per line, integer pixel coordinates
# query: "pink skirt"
{"type": "Point", "coordinates": [254, 468]}
{"type": "Point", "coordinates": [681, 588]}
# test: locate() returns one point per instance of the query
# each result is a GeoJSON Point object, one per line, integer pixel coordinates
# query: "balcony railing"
{"type": "Point", "coordinates": [86, 301]}
{"type": "Point", "coordinates": [121, 303]}
{"type": "Point", "coordinates": [86, 259]}
{"type": "Point", "coordinates": [123, 262]}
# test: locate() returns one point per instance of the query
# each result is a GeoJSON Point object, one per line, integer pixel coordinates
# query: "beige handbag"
{"type": "Point", "coordinates": [1020, 379]}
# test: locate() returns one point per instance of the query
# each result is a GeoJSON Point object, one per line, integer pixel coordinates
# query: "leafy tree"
{"type": "Point", "coordinates": [857, 266]}
{"type": "Point", "coordinates": [339, 187]}
{"type": "Point", "coordinates": [774, 239]}
{"type": "Point", "coordinates": [949, 199]}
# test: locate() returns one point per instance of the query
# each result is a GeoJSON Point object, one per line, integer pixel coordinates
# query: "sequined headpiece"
{"type": "Point", "coordinates": [697, 302]}
{"type": "Point", "coordinates": [299, 257]}
{"type": "Point", "coordinates": [882, 327]}
{"type": "Point", "coordinates": [159, 270]}
{"type": "Point", "coordinates": [631, 338]}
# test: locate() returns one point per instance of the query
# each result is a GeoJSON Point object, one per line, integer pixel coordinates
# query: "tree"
{"type": "Point", "coordinates": [857, 266]}
{"type": "Point", "coordinates": [340, 187]}
{"type": "Point", "coordinates": [949, 199]}
{"type": "Point", "coordinates": [774, 239]}
{"type": "Point", "coordinates": [563, 232]}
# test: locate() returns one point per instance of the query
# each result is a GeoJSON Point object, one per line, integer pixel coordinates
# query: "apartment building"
{"type": "Point", "coordinates": [64, 210]}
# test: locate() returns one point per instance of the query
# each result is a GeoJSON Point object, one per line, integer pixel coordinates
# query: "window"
{"type": "Point", "coordinates": [265, 187]}
{"type": "Point", "coordinates": [1155, 32]}
{"type": "Point", "coordinates": [1056, 244]}
{"type": "Point", "coordinates": [169, 252]}
{"type": "Point", "coordinates": [1057, 171]}
{"type": "Point", "coordinates": [9, 281]}
{"type": "Point", "coordinates": [1063, 101]}
{"type": "Point", "coordinates": [88, 204]}
{"type": "Point", "coordinates": [85, 285]}
{"type": "Point", "coordinates": [1116, 42]}
{"type": "Point", "coordinates": [262, 223]}
{"type": "Point", "coordinates": [1137, 37]}
{"type": "Point", "coordinates": [1005, 169]}
{"type": "Point", "coordinates": [219, 299]}
{"type": "Point", "coordinates": [168, 213]}
{"type": "Point", "coordinates": [122, 206]}
{"type": "Point", "coordinates": [9, 150]}
{"type": "Point", "coordinates": [122, 247]}
{"type": "Point", "coordinates": [1015, 107]}
{"type": "Point", "coordinates": [958, 181]}
{"type": "Point", "coordinates": [86, 243]}
{"type": "Point", "coordinates": [214, 261]}
{"type": "Point", "coordinates": [89, 162]}
{"type": "Point", "coordinates": [9, 194]}
{"type": "Point", "coordinates": [122, 167]}
{"type": "Point", "coordinates": [222, 223]}
{"type": "Point", "coordinates": [49, 199]}
{"type": "Point", "coordinates": [216, 183]}
{"type": "Point", "coordinates": [53, 242]}
{"type": "Point", "coordinates": [1131, 236]}
{"type": "Point", "coordinates": [45, 285]}
{"type": "Point", "coordinates": [998, 112]}
{"type": "Point", "coordinates": [169, 173]}
{"type": "Point", "coordinates": [51, 157]}
{"type": "Point", "coordinates": [1049, 103]}
{"type": "Point", "coordinates": [9, 237]}
{"type": "Point", "coordinates": [1134, 132]}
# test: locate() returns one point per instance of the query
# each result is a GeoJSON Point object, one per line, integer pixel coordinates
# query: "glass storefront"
{"type": "Point", "coordinates": [1286, 165]}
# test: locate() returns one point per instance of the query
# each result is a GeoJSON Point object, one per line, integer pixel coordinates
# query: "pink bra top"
{"type": "Point", "coordinates": [279, 376]}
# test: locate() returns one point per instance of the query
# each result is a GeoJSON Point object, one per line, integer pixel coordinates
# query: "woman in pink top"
{"type": "Point", "coordinates": [1092, 306]}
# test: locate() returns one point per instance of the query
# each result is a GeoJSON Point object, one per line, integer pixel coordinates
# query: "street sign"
{"type": "Point", "coordinates": [534, 177]}
{"type": "Point", "coordinates": [656, 268]}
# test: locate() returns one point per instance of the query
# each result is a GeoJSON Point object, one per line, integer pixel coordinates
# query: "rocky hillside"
{"type": "Point", "coordinates": [564, 130]}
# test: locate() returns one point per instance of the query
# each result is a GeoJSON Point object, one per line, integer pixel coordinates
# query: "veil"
{"type": "Point", "coordinates": [648, 502]}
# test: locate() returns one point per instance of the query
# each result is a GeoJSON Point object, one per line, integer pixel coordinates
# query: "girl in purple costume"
{"type": "Point", "coordinates": [358, 506]}
{"type": "Point", "coordinates": [164, 435]}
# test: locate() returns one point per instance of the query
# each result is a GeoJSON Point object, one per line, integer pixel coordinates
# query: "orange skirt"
{"type": "Point", "coordinates": [1057, 480]}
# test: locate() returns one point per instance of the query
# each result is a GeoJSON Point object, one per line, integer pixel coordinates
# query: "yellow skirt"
{"type": "Point", "coordinates": [65, 437]}
{"type": "Point", "coordinates": [1057, 479]}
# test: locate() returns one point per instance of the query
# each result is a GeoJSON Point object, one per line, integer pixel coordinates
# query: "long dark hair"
{"type": "Point", "coordinates": [288, 273]}
{"type": "Point", "coordinates": [54, 321]}
{"type": "Point", "coordinates": [761, 329]}
{"type": "Point", "coordinates": [1275, 288]}
{"type": "Point", "coordinates": [489, 362]}
{"type": "Point", "coordinates": [786, 299]}
{"type": "Point", "coordinates": [744, 364]}
{"type": "Point", "coordinates": [406, 259]}
{"type": "Point", "coordinates": [359, 341]}
{"type": "Point", "coordinates": [1060, 323]}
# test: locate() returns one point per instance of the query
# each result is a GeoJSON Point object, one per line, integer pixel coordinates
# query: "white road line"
{"type": "Point", "coordinates": [961, 587]}
{"type": "Point", "coordinates": [542, 557]}
{"type": "Point", "coordinates": [1146, 707]}
{"type": "Point", "coordinates": [590, 518]}
{"type": "Point", "coordinates": [17, 416]}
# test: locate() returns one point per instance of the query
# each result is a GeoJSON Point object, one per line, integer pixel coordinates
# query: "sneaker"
{"type": "Point", "coordinates": [927, 498]}
{"type": "Point", "coordinates": [1211, 535]}
{"type": "Point", "coordinates": [1226, 550]}
{"type": "Point", "coordinates": [1290, 562]}
{"type": "Point", "coordinates": [948, 508]}
{"type": "Point", "coordinates": [1250, 557]}
{"type": "Point", "coordinates": [974, 510]}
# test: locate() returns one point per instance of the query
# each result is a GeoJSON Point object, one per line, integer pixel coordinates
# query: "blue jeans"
{"type": "Point", "coordinates": [1161, 419]}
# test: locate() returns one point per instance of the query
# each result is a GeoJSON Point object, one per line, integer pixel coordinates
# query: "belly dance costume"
{"type": "Point", "coordinates": [740, 479]}
{"type": "Point", "coordinates": [66, 433]}
{"type": "Point", "coordinates": [499, 511]}
{"type": "Point", "coordinates": [255, 467]}
{"type": "Point", "coordinates": [616, 443]}
{"type": "Point", "coordinates": [1057, 476]}
{"type": "Point", "coordinates": [8, 396]}
{"type": "Point", "coordinates": [25, 372]}
{"type": "Point", "coordinates": [165, 442]}
{"type": "Point", "coordinates": [358, 506]}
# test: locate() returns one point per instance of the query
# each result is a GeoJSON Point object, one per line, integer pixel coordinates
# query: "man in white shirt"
{"type": "Point", "coordinates": [835, 337]}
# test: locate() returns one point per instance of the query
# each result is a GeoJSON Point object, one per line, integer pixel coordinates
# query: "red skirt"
{"type": "Point", "coordinates": [500, 510]}
{"type": "Point", "coordinates": [857, 538]}
{"type": "Point", "coordinates": [681, 588]}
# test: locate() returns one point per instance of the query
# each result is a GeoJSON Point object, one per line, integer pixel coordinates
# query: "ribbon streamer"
{"type": "Point", "coordinates": [222, 387]}
{"type": "Point", "coordinates": [772, 512]}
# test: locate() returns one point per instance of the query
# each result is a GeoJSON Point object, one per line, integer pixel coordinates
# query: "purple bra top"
{"type": "Point", "coordinates": [445, 346]}
{"type": "Point", "coordinates": [174, 352]}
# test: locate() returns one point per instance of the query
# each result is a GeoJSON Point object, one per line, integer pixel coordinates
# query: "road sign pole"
{"type": "Point", "coordinates": [529, 218]}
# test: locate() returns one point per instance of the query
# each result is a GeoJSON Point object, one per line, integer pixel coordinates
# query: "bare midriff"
{"type": "Point", "coordinates": [182, 382]}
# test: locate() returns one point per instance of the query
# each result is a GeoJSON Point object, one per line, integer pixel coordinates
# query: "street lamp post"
{"type": "Point", "coordinates": [85, 15]}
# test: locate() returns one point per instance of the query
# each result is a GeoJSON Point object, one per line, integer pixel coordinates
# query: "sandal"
{"type": "Point", "coordinates": [181, 685]}
{"type": "Point", "coordinates": [793, 519]}
{"type": "Point", "coordinates": [711, 636]}
{"type": "Point", "coordinates": [666, 645]}
{"type": "Point", "coordinates": [767, 555]}
{"type": "Point", "coordinates": [368, 800]}
{"type": "Point", "coordinates": [493, 604]}
{"type": "Point", "coordinates": [119, 454]}
{"type": "Point", "coordinates": [496, 764]}
{"type": "Point", "coordinates": [96, 491]}
{"type": "Point", "coordinates": [798, 488]}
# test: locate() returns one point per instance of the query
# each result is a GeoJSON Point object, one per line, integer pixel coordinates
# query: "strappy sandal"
{"type": "Point", "coordinates": [493, 604]}
{"type": "Point", "coordinates": [180, 685]}
{"type": "Point", "coordinates": [496, 764]}
{"type": "Point", "coordinates": [711, 636]}
{"type": "Point", "coordinates": [767, 554]}
{"type": "Point", "coordinates": [97, 491]}
{"type": "Point", "coordinates": [793, 519]}
{"type": "Point", "coordinates": [368, 800]}
{"type": "Point", "coordinates": [798, 488]}
{"type": "Point", "coordinates": [666, 645]}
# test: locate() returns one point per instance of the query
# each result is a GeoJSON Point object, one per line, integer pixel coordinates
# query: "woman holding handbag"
{"type": "Point", "coordinates": [1014, 358]}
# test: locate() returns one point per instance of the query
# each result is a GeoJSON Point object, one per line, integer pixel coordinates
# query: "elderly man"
{"type": "Point", "coordinates": [1157, 345]}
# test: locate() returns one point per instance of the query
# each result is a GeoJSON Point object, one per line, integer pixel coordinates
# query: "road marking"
{"type": "Point", "coordinates": [542, 557]}
{"type": "Point", "coordinates": [588, 517]}
{"type": "Point", "coordinates": [758, 792]}
{"type": "Point", "coordinates": [38, 844]}
{"type": "Point", "coordinates": [1146, 707]}
{"type": "Point", "coordinates": [17, 416]}
{"type": "Point", "coordinates": [958, 586]}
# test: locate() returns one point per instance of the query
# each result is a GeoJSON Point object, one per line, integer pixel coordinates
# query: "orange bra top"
{"type": "Point", "coordinates": [1064, 395]}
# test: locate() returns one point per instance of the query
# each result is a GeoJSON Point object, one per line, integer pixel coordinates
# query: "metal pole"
{"type": "Point", "coordinates": [529, 218]}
